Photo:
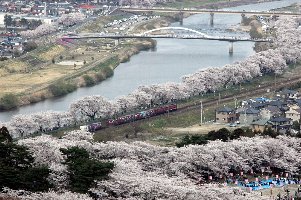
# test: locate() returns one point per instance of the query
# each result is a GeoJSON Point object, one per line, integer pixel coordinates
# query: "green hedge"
{"type": "Point", "coordinates": [61, 88]}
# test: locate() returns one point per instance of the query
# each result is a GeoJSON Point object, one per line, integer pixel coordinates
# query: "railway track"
{"type": "Point", "coordinates": [213, 102]}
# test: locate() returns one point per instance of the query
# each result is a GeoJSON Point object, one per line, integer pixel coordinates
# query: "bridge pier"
{"type": "Point", "coordinates": [211, 19]}
{"type": "Point", "coordinates": [181, 18]}
{"type": "Point", "coordinates": [231, 48]}
{"type": "Point", "coordinates": [243, 16]}
{"type": "Point", "coordinates": [117, 42]}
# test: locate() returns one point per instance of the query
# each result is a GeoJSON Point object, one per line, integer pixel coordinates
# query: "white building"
{"type": "Point", "coordinates": [44, 19]}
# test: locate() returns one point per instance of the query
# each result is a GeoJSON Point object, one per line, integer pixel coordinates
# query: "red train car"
{"type": "Point", "coordinates": [142, 115]}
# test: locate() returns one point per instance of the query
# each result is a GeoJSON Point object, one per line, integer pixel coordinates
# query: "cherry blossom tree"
{"type": "Point", "coordinates": [91, 107]}
{"type": "Point", "coordinates": [148, 171]}
{"type": "Point", "coordinates": [63, 195]}
{"type": "Point", "coordinates": [43, 29]}
{"type": "Point", "coordinates": [71, 19]}
{"type": "Point", "coordinates": [22, 125]}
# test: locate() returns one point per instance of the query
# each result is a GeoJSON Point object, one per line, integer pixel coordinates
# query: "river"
{"type": "Point", "coordinates": [171, 59]}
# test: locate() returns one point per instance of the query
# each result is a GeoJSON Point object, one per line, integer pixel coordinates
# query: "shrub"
{"type": "Point", "coordinates": [222, 134]}
{"type": "Point", "coordinates": [99, 77]}
{"type": "Point", "coordinates": [270, 132]}
{"type": "Point", "coordinates": [61, 88]}
{"type": "Point", "coordinates": [8, 101]}
{"type": "Point", "coordinates": [194, 139]}
{"type": "Point", "coordinates": [296, 125]}
{"type": "Point", "coordinates": [89, 80]}
{"type": "Point", "coordinates": [3, 58]}
{"type": "Point", "coordinates": [108, 71]}
{"type": "Point", "coordinates": [29, 46]}
{"type": "Point", "coordinates": [237, 133]}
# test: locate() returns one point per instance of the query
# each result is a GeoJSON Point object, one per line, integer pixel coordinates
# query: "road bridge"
{"type": "Point", "coordinates": [166, 32]}
{"type": "Point", "coordinates": [209, 11]}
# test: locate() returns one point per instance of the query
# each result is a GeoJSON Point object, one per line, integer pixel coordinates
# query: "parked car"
{"type": "Point", "coordinates": [233, 125]}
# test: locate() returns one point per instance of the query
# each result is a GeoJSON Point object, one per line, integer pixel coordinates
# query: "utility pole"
{"type": "Point", "coordinates": [201, 113]}
{"type": "Point", "coordinates": [235, 102]}
{"type": "Point", "coordinates": [45, 9]}
{"type": "Point", "coordinates": [245, 116]}
{"type": "Point", "coordinates": [275, 82]}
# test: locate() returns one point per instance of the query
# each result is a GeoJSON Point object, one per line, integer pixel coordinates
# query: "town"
{"type": "Point", "coordinates": [282, 113]}
{"type": "Point", "coordinates": [18, 16]}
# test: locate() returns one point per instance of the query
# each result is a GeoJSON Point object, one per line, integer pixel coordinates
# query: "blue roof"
{"type": "Point", "coordinates": [262, 99]}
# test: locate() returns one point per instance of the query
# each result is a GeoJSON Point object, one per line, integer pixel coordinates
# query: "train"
{"type": "Point", "coordinates": [130, 118]}
{"type": "Point", "coordinates": [92, 127]}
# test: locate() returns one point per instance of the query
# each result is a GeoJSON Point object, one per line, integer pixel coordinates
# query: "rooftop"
{"type": "Point", "coordinates": [280, 119]}
{"type": "Point", "coordinates": [225, 109]}
{"type": "Point", "coordinates": [287, 91]}
{"type": "Point", "coordinates": [261, 122]}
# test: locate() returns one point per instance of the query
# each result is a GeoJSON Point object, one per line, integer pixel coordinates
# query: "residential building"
{"type": "Point", "coordinates": [225, 115]}
{"type": "Point", "coordinates": [293, 113]}
{"type": "Point", "coordinates": [269, 112]}
{"type": "Point", "coordinates": [281, 124]}
{"type": "Point", "coordinates": [248, 115]}
{"type": "Point", "coordinates": [260, 125]}
{"type": "Point", "coordinates": [258, 105]}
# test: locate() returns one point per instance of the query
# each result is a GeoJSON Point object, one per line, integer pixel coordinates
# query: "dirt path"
{"type": "Point", "coordinates": [197, 129]}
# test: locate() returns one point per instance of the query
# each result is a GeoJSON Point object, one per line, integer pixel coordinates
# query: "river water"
{"type": "Point", "coordinates": [171, 59]}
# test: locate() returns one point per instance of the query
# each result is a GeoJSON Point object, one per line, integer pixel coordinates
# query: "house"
{"type": "Point", "coordinates": [258, 105]}
{"type": "Point", "coordinates": [282, 105]}
{"type": "Point", "coordinates": [3, 8]}
{"type": "Point", "coordinates": [260, 125]}
{"type": "Point", "coordinates": [297, 102]}
{"type": "Point", "coordinates": [6, 54]}
{"type": "Point", "coordinates": [289, 94]}
{"type": "Point", "coordinates": [25, 9]}
{"type": "Point", "coordinates": [225, 115]}
{"type": "Point", "coordinates": [293, 113]}
{"type": "Point", "coordinates": [38, 10]}
{"type": "Point", "coordinates": [248, 115]}
{"type": "Point", "coordinates": [270, 111]}
{"type": "Point", "coordinates": [281, 124]}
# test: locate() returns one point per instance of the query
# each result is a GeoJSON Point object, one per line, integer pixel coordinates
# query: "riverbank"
{"type": "Point", "coordinates": [56, 70]}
